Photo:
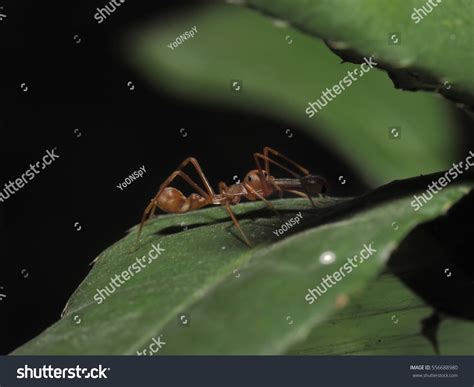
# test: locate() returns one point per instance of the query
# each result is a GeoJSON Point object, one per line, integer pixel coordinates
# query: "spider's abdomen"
{"type": "Point", "coordinates": [172, 200]}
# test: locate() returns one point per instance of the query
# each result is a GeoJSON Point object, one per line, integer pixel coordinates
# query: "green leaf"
{"type": "Point", "coordinates": [385, 319]}
{"type": "Point", "coordinates": [238, 299]}
{"type": "Point", "coordinates": [428, 53]}
{"type": "Point", "coordinates": [279, 79]}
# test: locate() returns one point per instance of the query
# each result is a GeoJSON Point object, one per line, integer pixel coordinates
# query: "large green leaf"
{"type": "Point", "coordinates": [233, 43]}
{"type": "Point", "coordinates": [238, 300]}
{"type": "Point", "coordinates": [432, 52]}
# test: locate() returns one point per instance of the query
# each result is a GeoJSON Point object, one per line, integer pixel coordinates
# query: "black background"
{"type": "Point", "coordinates": [79, 102]}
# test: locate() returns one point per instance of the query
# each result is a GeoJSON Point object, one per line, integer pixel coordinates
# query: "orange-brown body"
{"type": "Point", "coordinates": [257, 184]}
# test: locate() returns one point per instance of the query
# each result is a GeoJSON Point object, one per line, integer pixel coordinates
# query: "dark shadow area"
{"type": "Point", "coordinates": [435, 261]}
{"type": "Point", "coordinates": [429, 329]}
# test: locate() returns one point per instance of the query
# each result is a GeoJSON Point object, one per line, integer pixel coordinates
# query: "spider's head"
{"type": "Point", "coordinates": [253, 180]}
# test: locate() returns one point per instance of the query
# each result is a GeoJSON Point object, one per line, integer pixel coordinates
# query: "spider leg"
{"type": "Point", "coordinates": [301, 194]}
{"type": "Point", "coordinates": [268, 150]}
{"type": "Point", "coordinates": [222, 190]}
{"type": "Point", "coordinates": [236, 222]}
{"type": "Point", "coordinates": [261, 197]}
{"type": "Point", "coordinates": [199, 171]}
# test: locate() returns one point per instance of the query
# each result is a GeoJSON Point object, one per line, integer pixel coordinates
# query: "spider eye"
{"type": "Point", "coordinates": [249, 178]}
